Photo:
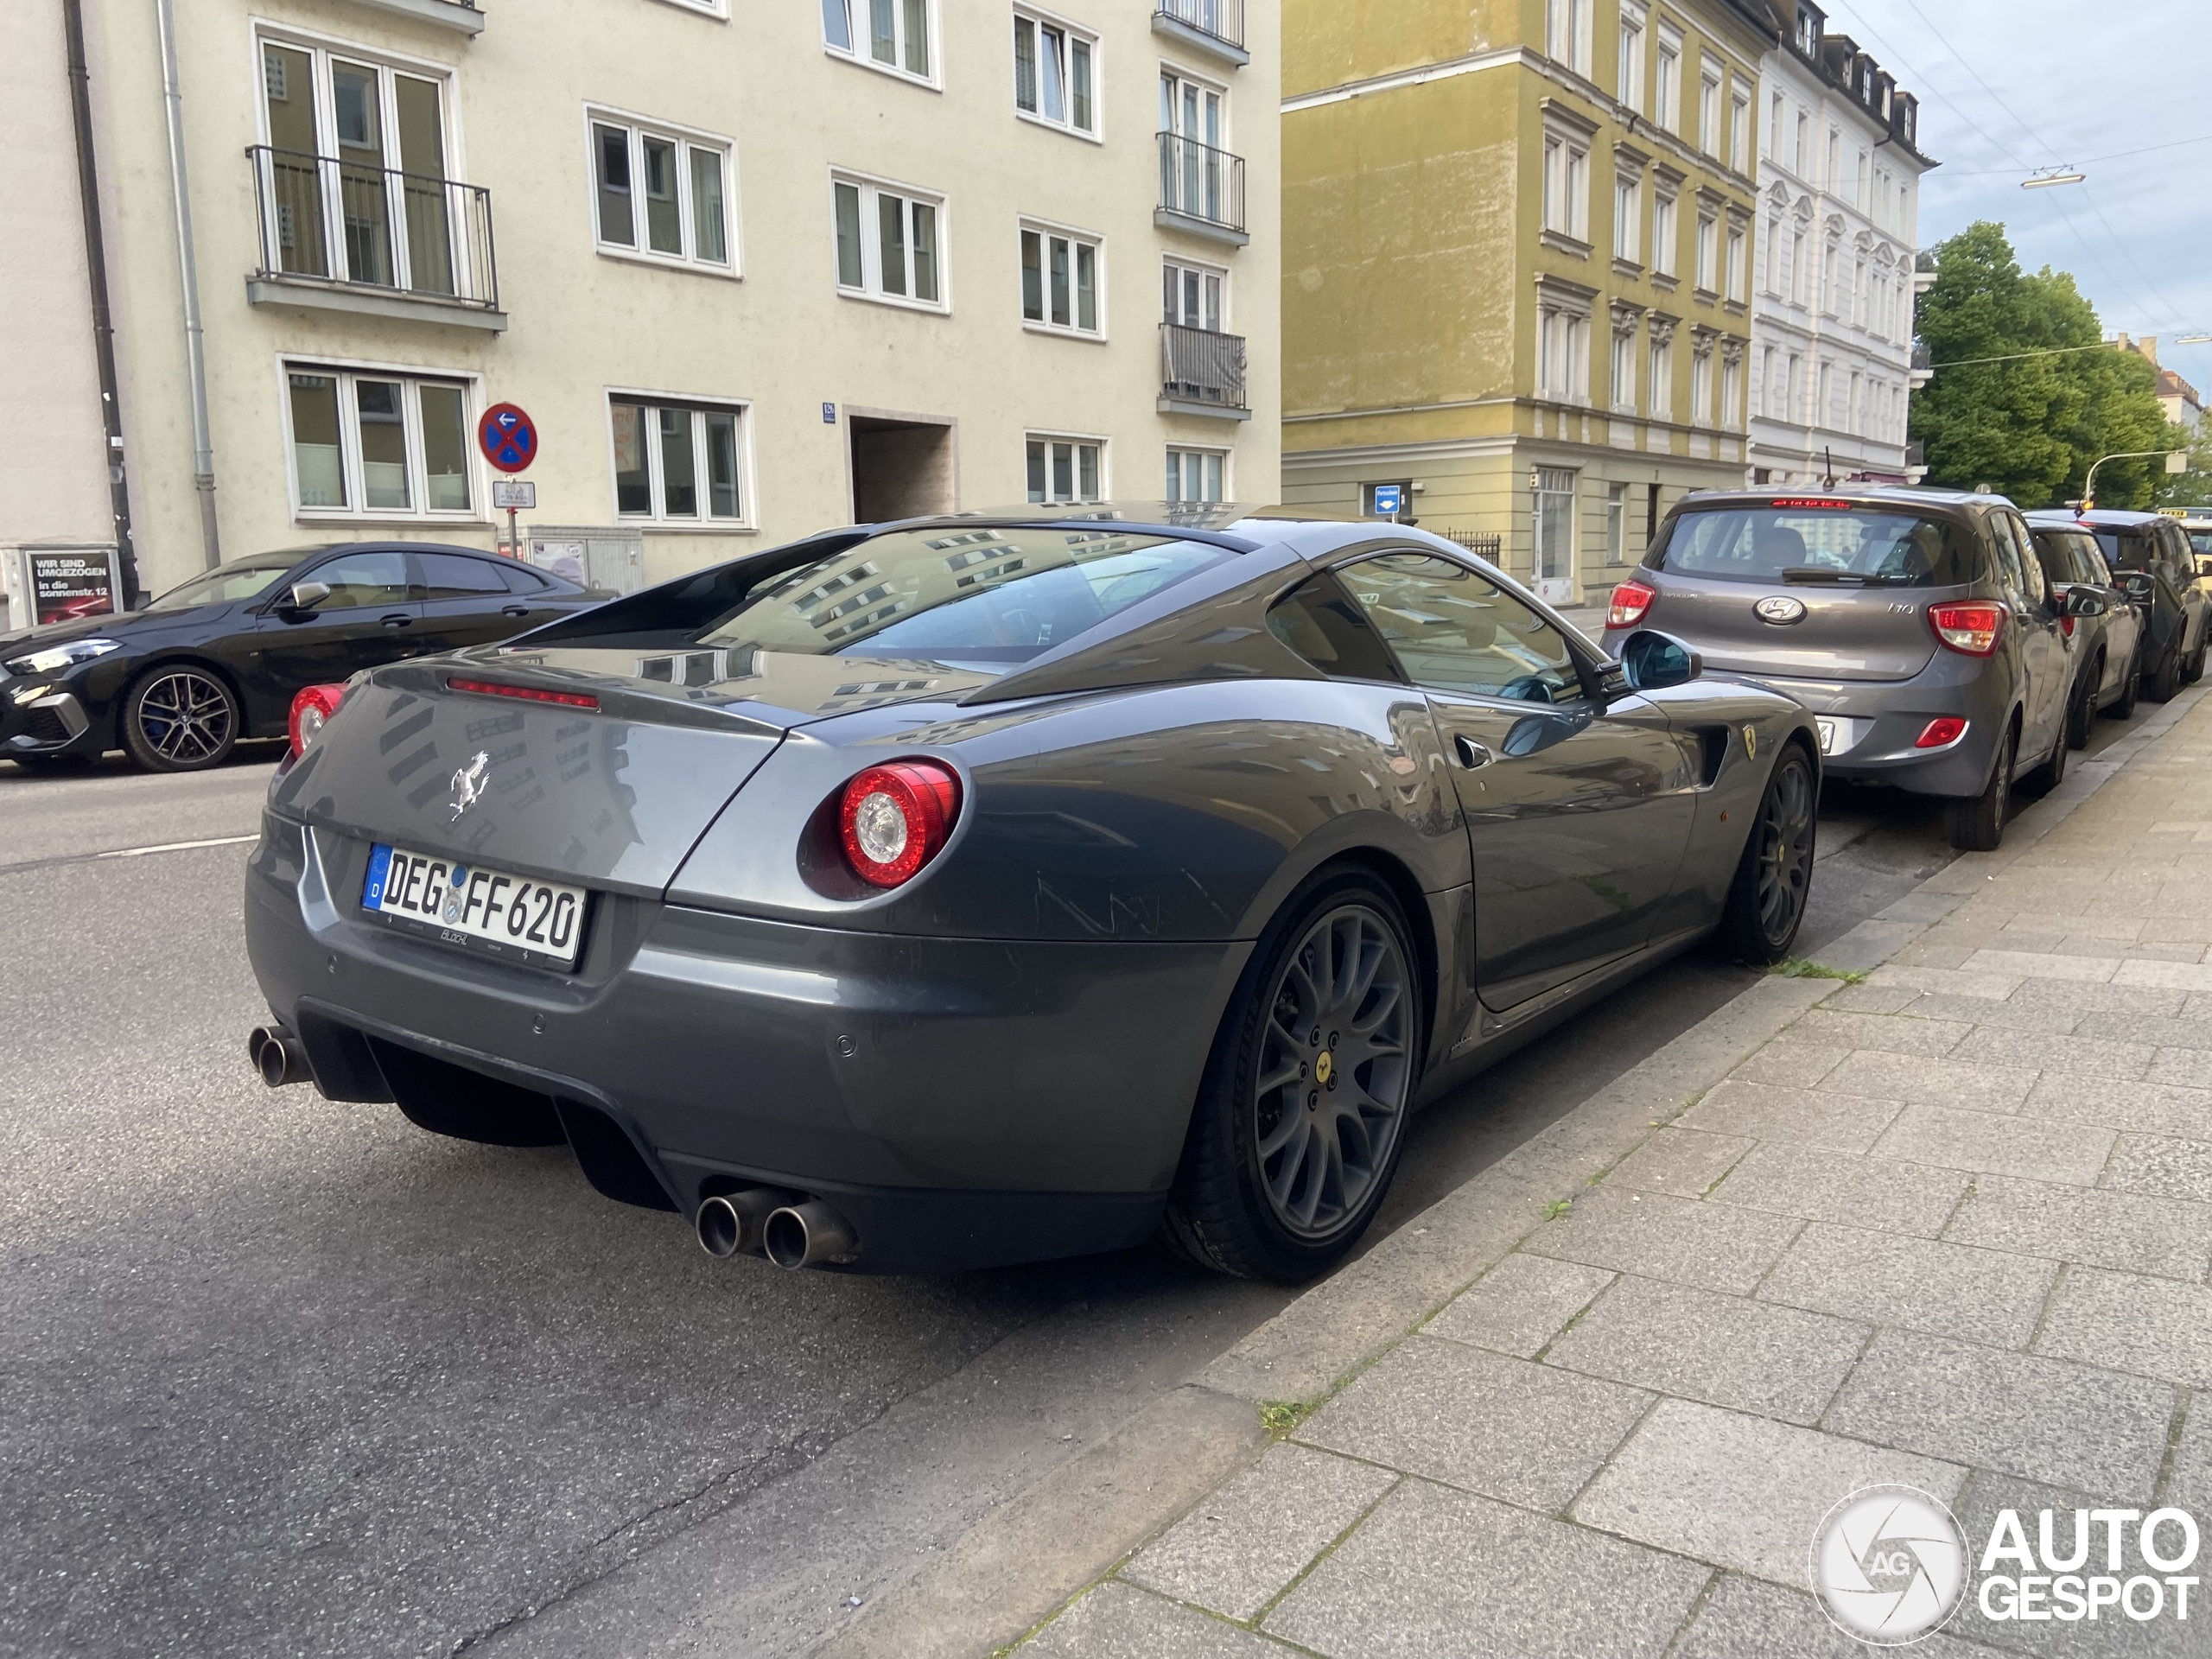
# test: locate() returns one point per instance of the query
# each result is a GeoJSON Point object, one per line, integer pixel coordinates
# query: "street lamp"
{"type": "Point", "coordinates": [2051, 175]}
{"type": "Point", "coordinates": [2195, 340]}
{"type": "Point", "coordinates": [2177, 461]}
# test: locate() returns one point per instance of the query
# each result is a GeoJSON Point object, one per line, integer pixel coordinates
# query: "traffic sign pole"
{"type": "Point", "coordinates": [508, 438]}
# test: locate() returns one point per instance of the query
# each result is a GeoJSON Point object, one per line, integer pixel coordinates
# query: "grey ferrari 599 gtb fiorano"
{"type": "Point", "coordinates": [936, 895]}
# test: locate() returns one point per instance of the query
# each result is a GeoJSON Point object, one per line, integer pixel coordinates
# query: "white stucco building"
{"type": "Point", "coordinates": [753, 270]}
{"type": "Point", "coordinates": [1840, 168]}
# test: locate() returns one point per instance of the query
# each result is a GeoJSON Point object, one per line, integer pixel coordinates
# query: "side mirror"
{"type": "Point", "coordinates": [2137, 585]}
{"type": "Point", "coordinates": [1652, 661]}
{"type": "Point", "coordinates": [306, 595]}
{"type": "Point", "coordinates": [2083, 602]}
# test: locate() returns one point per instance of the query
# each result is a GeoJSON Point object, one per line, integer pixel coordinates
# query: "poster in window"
{"type": "Point", "coordinates": [66, 586]}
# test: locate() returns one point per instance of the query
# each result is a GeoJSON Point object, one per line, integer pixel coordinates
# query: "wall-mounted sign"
{"type": "Point", "coordinates": [67, 584]}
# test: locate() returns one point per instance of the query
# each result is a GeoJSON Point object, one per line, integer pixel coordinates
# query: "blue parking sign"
{"type": "Point", "coordinates": [1390, 499]}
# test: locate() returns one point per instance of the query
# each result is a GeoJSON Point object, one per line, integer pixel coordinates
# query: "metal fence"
{"type": "Point", "coordinates": [1223, 19]}
{"type": "Point", "coordinates": [374, 227]}
{"type": "Point", "coordinates": [1200, 366]}
{"type": "Point", "coordinates": [1483, 547]}
{"type": "Point", "coordinates": [1199, 181]}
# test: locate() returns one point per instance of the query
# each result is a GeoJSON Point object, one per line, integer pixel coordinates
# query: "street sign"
{"type": "Point", "coordinates": [509, 493]}
{"type": "Point", "coordinates": [1389, 499]}
{"type": "Point", "coordinates": [508, 437]}
{"type": "Point", "coordinates": [829, 414]}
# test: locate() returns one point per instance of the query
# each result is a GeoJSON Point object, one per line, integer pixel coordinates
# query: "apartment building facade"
{"type": "Point", "coordinates": [752, 270]}
{"type": "Point", "coordinates": [1517, 257]}
{"type": "Point", "coordinates": [1839, 170]}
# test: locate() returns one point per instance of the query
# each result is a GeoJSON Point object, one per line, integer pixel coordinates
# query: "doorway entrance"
{"type": "Point", "coordinates": [901, 468]}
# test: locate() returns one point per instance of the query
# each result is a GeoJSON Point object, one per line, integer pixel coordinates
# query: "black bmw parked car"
{"type": "Point", "coordinates": [178, 683]}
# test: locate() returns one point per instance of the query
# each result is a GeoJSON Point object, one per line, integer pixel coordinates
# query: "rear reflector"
{"type": "Point", "coordinates": [1971, 630]}
{"type": "Point", "coordinates": [1947, 729]}
{"type": "Point", "coordinates": [1630, 600]}
{"type": "Point", "coordinates": [525, 693]}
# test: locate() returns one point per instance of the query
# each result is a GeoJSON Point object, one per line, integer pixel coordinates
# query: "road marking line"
{"type": "Point", "coordinates": [176, 847]}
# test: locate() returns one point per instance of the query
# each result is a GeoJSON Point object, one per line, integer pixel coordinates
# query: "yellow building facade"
{"type": "Point", "coordinates": [1516, 266]}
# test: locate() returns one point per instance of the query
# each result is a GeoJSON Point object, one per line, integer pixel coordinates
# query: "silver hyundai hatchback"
{"type": "Point", "coordinates": [1916, 625]}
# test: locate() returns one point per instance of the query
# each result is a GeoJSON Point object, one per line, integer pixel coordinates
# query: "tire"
{"type": "Point", "coordinates": [1976, 824]}
{"type": "Point", "coordinates": [2166, 682]}
{"type": "Point", "coordinates": [181, 717]}
{"type": "Point", "coordinates": [2124, 707]}
{"type": "Point", "coordinates": [2052, 773]}
{"type": "Point", "coordinates": [2082, 713]}
{"type": "Point", "coordinates": [1774, 877]}
{"type": "Point", "coordinates": [1300, 1118]}
{"type": "Point", "coordinates": [2194, 670]}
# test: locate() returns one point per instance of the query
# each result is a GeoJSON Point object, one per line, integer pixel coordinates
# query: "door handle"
{"type": "Point", "coordinates": [514, 610]}
{"type": "Point", "coordinates": [397, 619]}
{"type": "Point", "coordinates": [1471, 753]}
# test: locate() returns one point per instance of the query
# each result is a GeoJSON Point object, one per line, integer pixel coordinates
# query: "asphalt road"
{"type": "Point", "coordinates": [287, 1377]}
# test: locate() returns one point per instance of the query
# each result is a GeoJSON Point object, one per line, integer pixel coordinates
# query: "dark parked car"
{"type": "Point", "coordinates": [997, 887]}
{"type": "Point", "coordinates": [177, 684]}
{"type": "Point", "coordinates": [1914, 624]}
{"type": "Point", "coordinates": [2152, 558]}
{"type": "Point", "coordinates": [2107, 636]}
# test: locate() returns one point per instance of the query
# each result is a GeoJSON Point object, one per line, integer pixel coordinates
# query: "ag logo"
{"type": "Point", "coordinates": [1890, 1564]}
{"type": "Point", "coordinates": [1781, 609]}
{"type": "Point", "coordinates": [468, 784]}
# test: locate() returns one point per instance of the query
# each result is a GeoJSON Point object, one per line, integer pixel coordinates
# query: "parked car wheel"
{"type": "Point", "coordinates": [1766, 900]}
{"type": "Point", "coordinates": [2082, 713]}
{"type": "Point", "coordinates": [1976, 824]}
{"type": "Point", "coordinates": [180, 718]}
{"type": "Point", "coordinates": [2052, 773]}
{"type": "Point", "coordinates": [2194, 669]}
{"type": "Point", "coordinates": [1301, 1115]}
{"type": "Point", "coordinates": [2166, 680]}
{"type": "Point", "coordinates": [2124, 707]}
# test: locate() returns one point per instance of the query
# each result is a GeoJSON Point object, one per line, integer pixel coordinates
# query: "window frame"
{"type": "Point", "coordinates": [1667, 89]}
{"type": "Point", "coordinates": [687, 140]}
{"type": "Point", "coordinates": [1711, 93]}
{"type": "Point", "coordinates": [1071, 31]}
{"type": "Point", "coordinates": [748, 519]}
{"type": "Point", "coordinates": [718, 9]}
{"type": "Point", "coordinates": [873, 186]}
{"type": "Point", "coordinates": [1048, 438]}
{"type": "Point", "coordinates": [1182, 264]}
{"type": "Point", "coordinates": [933, 30]}
{"type": "Point", "coordinates": [1666, 231]}
{"type": "Point", "coordinates": [1628, 215]}
{"type": "Point", "coordinates": [1632, 47]}
{"type": "Point", "coordinates": [1225, 455]}
{"type": "Point", "coordinates": [1048, 231]}
{"type": "Point", "coordinates": [1573, 20]}
{"type": "Point", "coordinates": [1578, 665]}
{"type": "Point", "coordinates": [351, 472]}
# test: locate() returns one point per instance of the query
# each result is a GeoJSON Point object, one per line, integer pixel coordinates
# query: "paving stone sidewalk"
{"type": "Point", "coordinates": [1951, 1227]}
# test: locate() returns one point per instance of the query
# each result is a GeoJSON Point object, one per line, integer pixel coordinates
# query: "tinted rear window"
{"type": "Point", "coordinates": [1855, 547]}
{"type": "Point", "coordinates": [2127, 550]}
{"type": "Point", "coordinates": [2200, 540]}
{"type": "Point", "coordinates": [2068, 555]}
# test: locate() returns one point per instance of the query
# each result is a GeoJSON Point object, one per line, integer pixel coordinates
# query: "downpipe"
{"type": "Point", "coordinates": [278, 1056]}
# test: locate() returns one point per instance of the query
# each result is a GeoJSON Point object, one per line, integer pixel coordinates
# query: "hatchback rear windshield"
{"type": "Point", "coordinates": [1851, 547]}
{"type": "Point", "coordinates": [983, 596]}
{"type": "Point", "coordinates": [2127, 549]}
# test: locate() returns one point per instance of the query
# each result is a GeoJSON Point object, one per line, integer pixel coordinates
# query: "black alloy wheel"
{"type": "Point", "coordinates": [180, 718]}
{"type": "Point", "coordinates": [1774, 878]}
{"type": "Point", "coordinates": [1976, 824]}
{"type": "Point", "coordinates": [1300, 1120]}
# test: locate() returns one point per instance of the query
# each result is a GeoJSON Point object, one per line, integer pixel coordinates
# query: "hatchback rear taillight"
{"type": "Point", "coordinates": [1630, 600]}
{"type": "Point", "coordinates": [311, 710]}
{"type": "Point", "coordinates": [1970, 630]}
{"type": "Point", "coordinates": [894, 819]}
{"type": "Point", "coordinates": [1940, 733]}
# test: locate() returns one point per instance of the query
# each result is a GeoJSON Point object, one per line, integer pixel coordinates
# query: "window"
{"type": "Point", "coordinates": [1629, 85]}
{"type": "Point", "coordinates": [1055, 74]}
{"type": "Point", "coordinates": [1774, 128]}
{"type": "Point", "coordinates": [1192, 295]}
{"type": "Point", "coordinates": [1701, 387]}
{"type": "Point", "coordinates": [1066, 469]}
{"type": "Point", "coordinates": [1732, 379]}
{"type": "Point", "coordinates": [1457, 631]}
{"type": "Point", "coordinates": [1624, 366]}
{"type": "Point", "coordinates": [1709, 109]}
{"type": "Point", "coordinates": [1831, 292]}
{"type": "Point", "coordinates": [1059, 281]}
{"type": "Point", "coordinates": [661, 194]}
{"type": "Point", "coordinates": [1794, 392]}
{"type": "Point", "coordinates": [1195, 178]}
{"type": "Point", "coordinates": [1740, 132]}
{"type": "Point", "coordinates": [1735, 264]}
{"type": "Point", "coordinates": [364, 581]}
{"type": "Point", "coordinates": [679, 463]}
{"type": "Point", "coordinates": [896, 35]}
{"type": "Point", "coordinates": [455, 575]}
{"type": "Point", "coordinates": [374, 445]}
{"type": "Point", "coordinates": [1800, 157]}
{"type": "Point", "coordinates": [889, 243]}
{"type": "Point", "coordinates": [1661, 399]}
{"type": "Point", "coordinates": [1554, 555]}
{"type": "Point", "coordinates": [1628, 215]}
{"type": "Point", "coordinates": [1562, 355]}
{"type": "Point", "coordinates": [1567, 187]}
{"type": "Point", "coordinates": [1566, 33]}
{"type": "Point", "coordinates": [1770, 390]}
{"type": "Point", "coordinates": [1857, 308]}
{"type": "Point", "coordinates": [1833, 178]}
{"type": "Point", "coordinates": [1708, 254]}
{"type": "Point", "coordinates": [1860, 186]}
{"type": "Point", "coordinates": [1616, 524]}
{"type": "Point", "coordinates": [1824, 410]}
{"type": "Point", "coordinates": [1197, 474]}
{"type": "Point", "coordinates": [1797, 268]}
{"type": "Point", "coordinates": [1664, 242]}
{"type": "Point", "coordinates": [1770, 257]}
{"type": "Point", "coordinates": [1669, 112]}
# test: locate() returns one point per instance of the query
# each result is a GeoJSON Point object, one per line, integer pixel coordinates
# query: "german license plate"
{"type": "Point", "coordinates": [513, 916]}
{"type": "Point", "coordinates": [1827, 735]}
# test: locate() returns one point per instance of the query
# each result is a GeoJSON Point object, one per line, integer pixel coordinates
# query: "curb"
{"type": "Point", "coordinates": [1026, 1558]}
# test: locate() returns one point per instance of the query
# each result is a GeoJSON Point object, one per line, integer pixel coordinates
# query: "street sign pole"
{"type": "Point", "coordinates": [508, 438]}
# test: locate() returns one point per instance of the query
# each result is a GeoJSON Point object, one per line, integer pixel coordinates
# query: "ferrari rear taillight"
{"type": "Point", "coordinates": [1630, 600]}
{"type": "Point", "coordinates": [894, 819]}
{"type": "Point", "coordinates": [1970, 630]}
{"type": "Point", "coordinates": [311, 710]}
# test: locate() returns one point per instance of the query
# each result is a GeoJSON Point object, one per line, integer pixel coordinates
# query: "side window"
{"type": "Point", "coordinates": [2036, 590]}
{"type": "Point", "coordinates": [358, 580]}
{"type": "Point", "coordinates": [1456, 631]}
{"type": "Point", "coordinates": [1322, 624]}
{"type": "Point", "coordinates": [520, 578]}
{"type": "Point", "coordinates": [452, 576]}
{"type": "Point", "coordinates": [2009, 572]}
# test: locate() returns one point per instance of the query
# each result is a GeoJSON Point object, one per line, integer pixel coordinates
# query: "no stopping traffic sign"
{"type": "Point", "coordinates": [508, 437]}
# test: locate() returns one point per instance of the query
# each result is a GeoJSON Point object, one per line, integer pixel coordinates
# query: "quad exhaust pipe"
{"type": "Point", "coordinates": [790, 1230]}
{"type": "Point", "coordinates": [278, 1056]}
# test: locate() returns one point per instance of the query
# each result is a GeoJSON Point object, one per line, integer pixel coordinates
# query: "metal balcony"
{"type": "Point", "coordinates": [1201, 190]}
{"type": "Point", "coordinates": [1202, 372]}
{"type": "Point", "coordinates": [337, 235]}
{"type": "Point", "coordinates": [1212, 26]}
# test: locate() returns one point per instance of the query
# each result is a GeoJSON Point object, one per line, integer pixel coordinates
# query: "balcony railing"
{"type": "Point", "coordinates": [1197, 366]}
{"type": "Point", "coordinates": [341, 221]}
{"type": "Point", "coordinates": [1201, 182]}
{"type": "Point", "coordinates": [1224, 19]}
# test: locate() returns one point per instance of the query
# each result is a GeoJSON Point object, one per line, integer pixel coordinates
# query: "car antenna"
{"type": "Point", "coordinates": [1828, 454]}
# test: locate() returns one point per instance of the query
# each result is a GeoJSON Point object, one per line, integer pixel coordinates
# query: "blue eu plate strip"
{"type": "Point", "coordinates": [380, 866]}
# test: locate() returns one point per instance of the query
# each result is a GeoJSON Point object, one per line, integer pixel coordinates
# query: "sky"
{"type": "Point", "coordinates": [2010, 86]}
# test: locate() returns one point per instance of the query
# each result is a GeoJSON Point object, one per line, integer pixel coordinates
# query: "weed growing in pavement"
{"type": "Point", "coordinates": [1279, 1417]}
{"type": "Point", "coordinates": [1557, 1208]}
{"type": "Point", "coordinates": [1803, 968]}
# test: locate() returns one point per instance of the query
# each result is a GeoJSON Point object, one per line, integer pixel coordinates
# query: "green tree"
{"type": "Point", "coordinates": [2029, 428]}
